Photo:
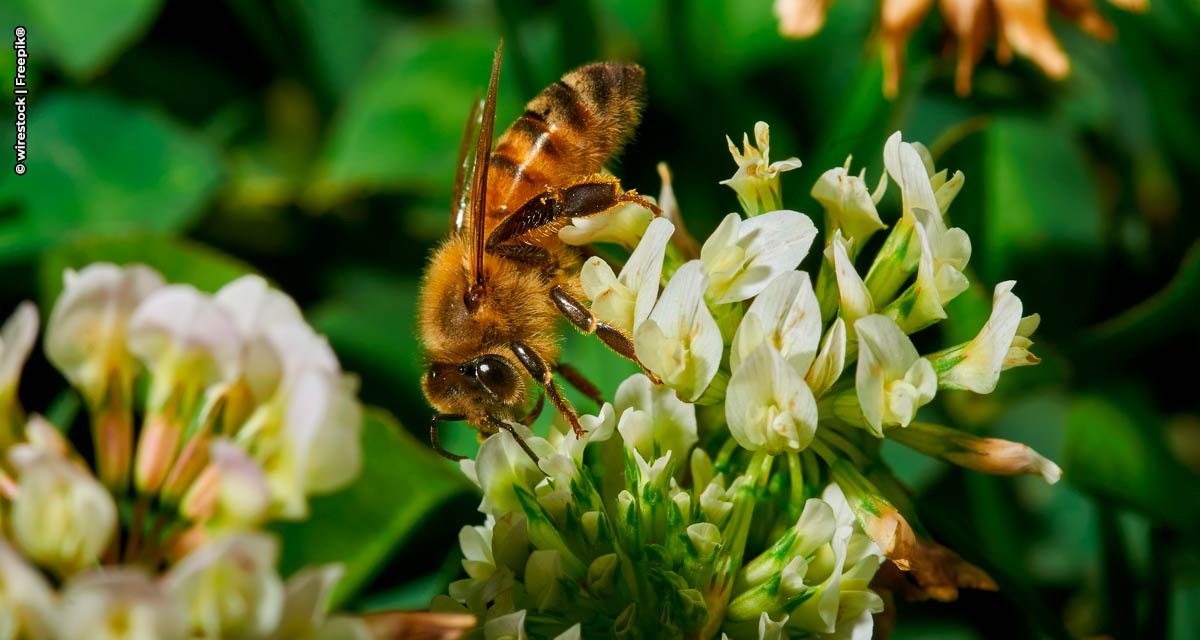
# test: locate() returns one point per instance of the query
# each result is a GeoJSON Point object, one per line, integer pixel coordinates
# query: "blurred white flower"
{"type": "Point", "coordinates": [785, 315]}
{"type": "Point", "coordinates": [680, 342]}
{"type": "Point", "coordinates": [230, 587]}
{"type": "Point", "coordinates": [232, 491]}
{"type": "Point", "coordinates": [120, 604]}
{"type": "Point", "coordinates": [304, 602]}
{"type": "Point", "coordinates": [257, 310]}
{"type": "Point", "coordinates": [16, 341]}
{"type": "Point", "coordinates": [892, 380]}
{"type": "Point", "coordinates": [86, 333]}
{"type": "Point", "coordinates": [27, 603]}
{"type": "Point", "coordinates": [768, 405]}
{"type": "Point", "coordinates": [625, 300]}
{"type": "Point", "coordinates": [757, 178]}
{"type": "Point", "coordinates": [62, 517]}
{"type": "Point", "coordinates": [741, 257]}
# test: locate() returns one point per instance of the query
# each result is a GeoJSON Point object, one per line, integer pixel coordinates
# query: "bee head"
{"type": "Point", "coordinates": [489, 384]}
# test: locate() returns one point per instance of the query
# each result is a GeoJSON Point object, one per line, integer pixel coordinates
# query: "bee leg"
{"type": "Point", "coordinates": [533, 414]}
{"type": "Point", "coordinates": [541, 373]}
{"type": "Point", "coordinates": [614, 338]}
{"type": "Point", "coordinates": [501, 424]}
{"type": "Point", "coordinates": [577, 380]}
{"type": "Point", "coordinates": [588, 198]}
{"type": "Point", "coordinates": [433, 434]}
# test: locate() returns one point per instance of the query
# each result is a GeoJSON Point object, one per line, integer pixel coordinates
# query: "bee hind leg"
{"type": "Point", "coordinates": [576, 379]}
{"type": "Point", "coordinates": [588, 198]}
{"type": "Point", "coordinates": [542, 374]}
{"type": "Point", "coordinates": [611, 336]}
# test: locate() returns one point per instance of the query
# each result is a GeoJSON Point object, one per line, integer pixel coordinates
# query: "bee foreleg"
{"type": "Point", "coordinates": [542, 374]}
{"type": "Point", "coordinates": [433, 434]}
{"type": "Point", "coordinates": [612, 337]}
{"type": "Point", "coordinates": [501, 424]}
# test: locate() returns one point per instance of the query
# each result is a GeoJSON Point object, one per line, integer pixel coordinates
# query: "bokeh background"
{"type": "Point", "coordinates": [314, 142]}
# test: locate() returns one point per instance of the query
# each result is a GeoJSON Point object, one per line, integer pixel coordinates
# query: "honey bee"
{"type": "Point", "coordinates": [496, 288]}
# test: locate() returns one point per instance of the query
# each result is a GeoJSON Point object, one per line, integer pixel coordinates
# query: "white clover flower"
{"type": "Point", "coordinates": [830, 361]}
{"type": "Point", "coordinates": [680, 342]}
{"type": "Point", "coordinates": [849, 207]}
{"type": "Point", "coordinates": [230, 587]}
{"type": "Point", "coordinates": [944, 256]}
{"type": "Point", "coordinates": [856, 601]}
{"type": "Point", "coordinates": [502, 465]}
{"type": "Point", "coordinates": [62, 517]}
{"type": "Point", "coordinates": [232, 491]}
{"type": "Point", "coordinates": [623, 225]}
{"type": "Point", "coordinates": [27, 603]}
{"type": "Point", "coordinates": [741, 257]}
{"type": "Point", "coordinates": [855, 299]}
{"type": "Point", "coordinates": [757, 179]}
{"type": "Point", "coordinates": [120, 604]}
{"type": "Point", "coordinates": [625, 300]}
{"type": "Point", "coordinates": [768, 405]}
{"type": "Point", "coordinates": [1018, 352]}
{"type": "Point", "coordinates": [892, 380]}
{"type": "Point", "coordinates": [787, 316]}
{"type": "Point", "coordinates": [976, 365]}
{"type": "Point", "coordinates": [85, 335]}
{"type": "Point", "coordinates": [944, 189]}
{"type": "Point", "coordinates": [907, 168]}
{"type": "Point", "coordinates": [654, 420]}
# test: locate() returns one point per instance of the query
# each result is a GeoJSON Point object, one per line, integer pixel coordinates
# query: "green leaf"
{"type": "Point", "coordinates": [97, 165]}
{"type": "Point", "coordinates": [1154, 319]}
{"type": "Point", "coordinates": [1118, 452]}
{"type": "Point", "coordinates": [400, 126]}
{"type": "Point", "coordinates": [178, 260]}
{"type": "Point", "coordinates": [84, 35]}
{"type": "Point", "coordinates": [1039, 194]}
{"type": "Point", "coordinates": [343, 34]}
{"type": "Point", "coordinates": [362, 525]}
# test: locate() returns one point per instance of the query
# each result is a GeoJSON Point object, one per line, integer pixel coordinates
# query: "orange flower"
{"type": "Point", "coordinates": [1020, 26]}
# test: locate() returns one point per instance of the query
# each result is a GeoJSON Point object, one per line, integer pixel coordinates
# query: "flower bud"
{"type": "Point", "coordinates": [16, 341]}
{"type": "Point", "coordinates": [849, 207]}
{"type": "Point", "coordinates": [757, 179]}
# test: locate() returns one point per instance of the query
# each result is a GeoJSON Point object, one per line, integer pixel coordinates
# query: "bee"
{"type": "Point", "coordinates": [496, 288]}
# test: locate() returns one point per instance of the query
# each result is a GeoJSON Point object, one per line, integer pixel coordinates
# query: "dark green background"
{"type": "Point", "coordinates": [314, 141]}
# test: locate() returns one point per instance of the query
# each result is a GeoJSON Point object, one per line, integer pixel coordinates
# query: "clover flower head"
{"type": "Point", "coordinates": [746, 497]}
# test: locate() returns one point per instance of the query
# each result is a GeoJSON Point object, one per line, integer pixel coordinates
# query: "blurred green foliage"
{"type": "Point", "coordinates": [314, 141]}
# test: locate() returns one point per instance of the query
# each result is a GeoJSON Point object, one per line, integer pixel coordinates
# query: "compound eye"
{"type": "Point", "coordinates": [495, 374]}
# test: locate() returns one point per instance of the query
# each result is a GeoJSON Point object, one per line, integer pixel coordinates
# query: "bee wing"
{"type": "Point", "coordinates": [460, 202]}
{"type": "Point", "coordinates": [483, 152]}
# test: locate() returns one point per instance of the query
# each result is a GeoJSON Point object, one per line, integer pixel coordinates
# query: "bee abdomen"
{"type": "Point", "coordinates": [567, 132]}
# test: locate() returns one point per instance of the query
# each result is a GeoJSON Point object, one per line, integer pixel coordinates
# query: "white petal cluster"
{"type": "Point", "coordinates": [680, 341]}
{"type": "Point", "coordinates": [625, 300]}
{"type": "Point", "coordinates": [742, 256]}
{"type": "Point", "coordinates": [1001, 344]}
{"type": "Point", "coordinates": [849, 206]}
{"type": "Point", "coordinates": [892, 380]}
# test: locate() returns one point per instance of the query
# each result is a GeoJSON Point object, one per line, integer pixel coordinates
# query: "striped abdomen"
{"type": "Point", "coordinates": [566, 133]}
